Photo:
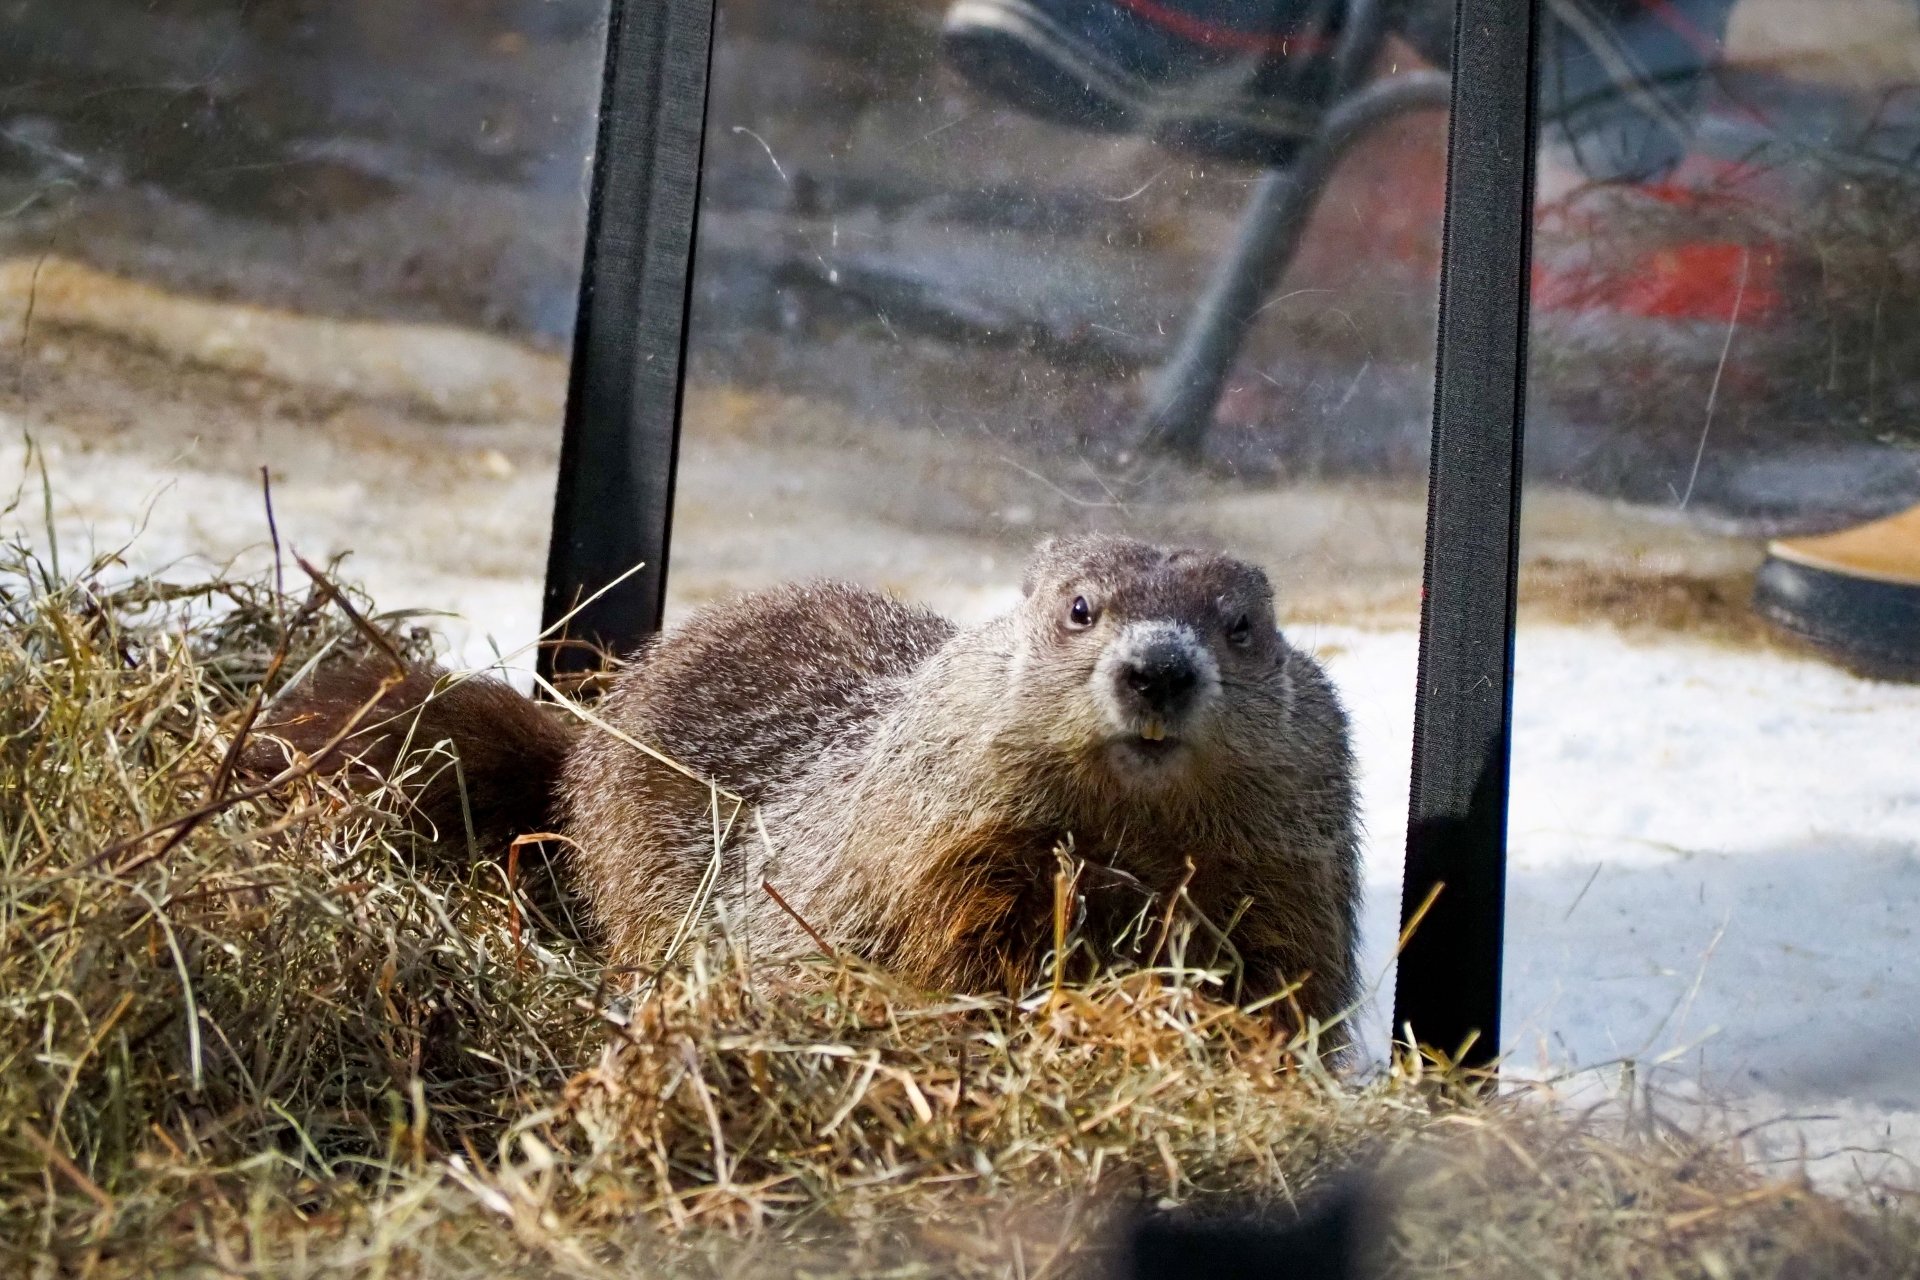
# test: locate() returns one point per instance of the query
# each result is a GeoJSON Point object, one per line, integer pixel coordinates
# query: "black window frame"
{"type": "Point", "coordinates": [614, 501]}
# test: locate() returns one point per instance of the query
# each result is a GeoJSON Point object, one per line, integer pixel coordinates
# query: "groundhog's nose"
{"type": "Point", "coordinates": [1163, 678]}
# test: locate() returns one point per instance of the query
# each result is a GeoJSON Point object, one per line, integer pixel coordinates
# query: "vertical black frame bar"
{"type": "Point", "coordinates": [1448, 984]}
{"type": "Point", "coordinates": [614, 504]}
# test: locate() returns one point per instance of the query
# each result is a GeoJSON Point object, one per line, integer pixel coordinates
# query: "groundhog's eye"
{"type": "Point", "coordinates": [1080, 613]}
{"type": "Point", "coordinates": [1240, 631]}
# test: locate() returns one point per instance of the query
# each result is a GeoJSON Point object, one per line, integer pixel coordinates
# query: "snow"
{"type": "Point", "coordinates": [1714, 870]}
{"type": "Point", "coordinates": [184, 523]}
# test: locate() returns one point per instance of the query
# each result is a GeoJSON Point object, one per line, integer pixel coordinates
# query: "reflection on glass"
{"type": "Point", "coordinates": [1716, 821]}
{"type": "Point", "coordinates": [946, 250]}
{"type": "Point", "coordinates": [340, 240]}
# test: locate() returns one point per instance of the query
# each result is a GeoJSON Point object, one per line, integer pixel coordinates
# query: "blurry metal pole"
{"type": "Point", "coordinates": [1188, 388]}
{"type": "Point", "coordinates": [614, 502]}
{"type": "Point", "coordinates": [1189, 385]}
{"type": "Point", "coordinates": [1448, 988]}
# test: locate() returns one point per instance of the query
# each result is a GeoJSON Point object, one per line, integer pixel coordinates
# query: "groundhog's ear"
{"type": "Point", "coordinates": [1037, 565]}
{"type": "Point", "coordinates": [1252, 581]}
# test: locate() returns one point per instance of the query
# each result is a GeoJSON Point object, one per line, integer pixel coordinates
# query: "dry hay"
{"type": "Point", "coordinates": [279, 1039]}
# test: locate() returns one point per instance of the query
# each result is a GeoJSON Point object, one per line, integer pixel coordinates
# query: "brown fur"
{"type": "Point", "coordinates": [916, 782]}
{"type": "Point", "coordinates": [509, 749]}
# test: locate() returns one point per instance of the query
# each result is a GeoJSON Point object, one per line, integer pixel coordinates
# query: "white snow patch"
{"type": "Point", "coordinates": [1714, 870]}
{"type": "Point", "coordinates": [183, 524]}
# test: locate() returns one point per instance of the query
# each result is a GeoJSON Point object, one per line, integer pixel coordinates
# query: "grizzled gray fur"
{"type": "Point", "coordinates": [917, 783]}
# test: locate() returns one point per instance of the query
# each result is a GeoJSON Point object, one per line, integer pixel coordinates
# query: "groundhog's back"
{"type": "Point", "coordinates": [745, 694]}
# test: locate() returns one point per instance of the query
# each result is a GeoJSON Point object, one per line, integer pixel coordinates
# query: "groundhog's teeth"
{"type": "Point", "coordinates": [1153, 731]}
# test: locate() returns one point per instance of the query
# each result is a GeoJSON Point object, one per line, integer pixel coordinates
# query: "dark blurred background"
{"type": "Point", "coordinates": [877, 237]}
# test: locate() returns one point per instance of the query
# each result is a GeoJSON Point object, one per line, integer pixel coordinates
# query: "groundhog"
{"type": "Point", "coordinates": [881, 783]}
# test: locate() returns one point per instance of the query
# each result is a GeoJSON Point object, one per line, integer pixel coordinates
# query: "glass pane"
{"type": "Point", "coordinates": [1716, 815]}
{"type": "Point", "coordinates": [939, 279]}
{"type": "Point", "coordinates": [340, 240]}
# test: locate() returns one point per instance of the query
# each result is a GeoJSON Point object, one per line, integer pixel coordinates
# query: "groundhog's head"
{"type": "Point", "coordinates": [1155, 664]}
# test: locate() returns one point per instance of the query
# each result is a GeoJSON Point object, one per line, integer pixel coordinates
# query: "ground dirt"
{"type": "Point", "coordinates": [131, 390]}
